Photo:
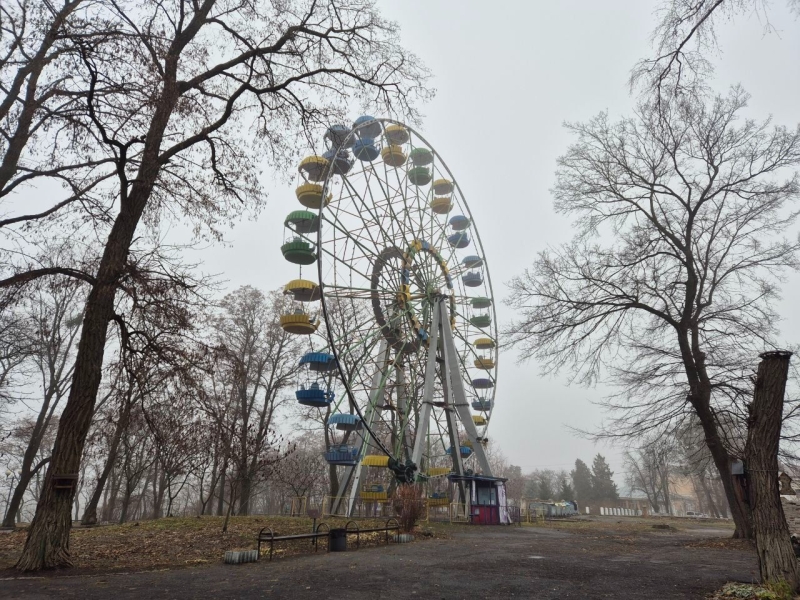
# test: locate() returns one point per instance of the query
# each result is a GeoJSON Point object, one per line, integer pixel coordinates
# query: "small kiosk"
{"type": "Point", "coordinates": [486, 499]}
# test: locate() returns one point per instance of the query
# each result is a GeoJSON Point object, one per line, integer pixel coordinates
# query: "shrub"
{"type": "Point", "coordinates": [408, 505]}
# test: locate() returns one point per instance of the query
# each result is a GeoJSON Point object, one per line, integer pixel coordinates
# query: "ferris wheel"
{"type": "Point", "coordinates": [407, 307]}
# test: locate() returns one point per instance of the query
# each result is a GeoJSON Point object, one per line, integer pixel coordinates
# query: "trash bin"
{"type": "Point", "coordinates": [338, 540]}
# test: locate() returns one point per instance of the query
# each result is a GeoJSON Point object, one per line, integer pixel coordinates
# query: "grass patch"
{"type": "Point", "coordinates": [630, 525]}
{"type": "Point", "coordinates": [747, 591]}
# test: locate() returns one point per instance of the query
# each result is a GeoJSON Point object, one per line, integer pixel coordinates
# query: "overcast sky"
{"type": "Point", "coordinates": [507, 75]}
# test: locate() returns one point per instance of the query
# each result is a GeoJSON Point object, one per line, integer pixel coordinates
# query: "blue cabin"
{"type": "Point", "coordinates": [466, 451]}
{"type": "Point", "coordinates": [482, 383]}
{"type": "Point", "coordinates": [337, 136]}
{"type": "Point", "coordinates": [367, 127]}
{"type": "Point", "coordinates": [459, 240]}
{"type": "Point", "coordinates": [340, 160]}
{"type": "Point", "coordinates": [365, 149]}
{"type": "Point", "coordinates": [459, 222]}
{"type": "Point", "coordinates": [321, 362]}
{"type": "Point", "coordinates": [345, 421]}
{"type": "Point", "coordinates": [472, 262]}
{"type": "Point", "coordinates": [482, 405]}
{"type": "Point", "coordinates": [342, 454]}
{"type": "Point", "coordinates": [472, 279]}
{"type": "Point", "coordinates": [314, 396]}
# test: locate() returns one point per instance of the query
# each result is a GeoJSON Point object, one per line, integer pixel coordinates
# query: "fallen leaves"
{"type": "Point", "coordinates": [180, 541]}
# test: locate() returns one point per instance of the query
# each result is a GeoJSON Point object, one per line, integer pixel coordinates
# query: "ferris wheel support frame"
{"type": "Point", "coordinates": [427, 391]}
{"type": "Point", "coordinates": [457, 394]}
{"type": "Point", "coordinates": [359, 470]}
{"type": "Point", "coordinates": [454, 394]}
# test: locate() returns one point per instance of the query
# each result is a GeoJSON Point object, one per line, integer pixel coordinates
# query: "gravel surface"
{"type": "Point", "coordinates": [476, 562]}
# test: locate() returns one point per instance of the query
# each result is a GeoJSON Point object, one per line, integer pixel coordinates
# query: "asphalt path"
{"type": "Point", "coordinates": [476, 562]}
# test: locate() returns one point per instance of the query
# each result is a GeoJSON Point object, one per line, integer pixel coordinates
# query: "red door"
{"type": "Point", "coordinates": [486, 515]}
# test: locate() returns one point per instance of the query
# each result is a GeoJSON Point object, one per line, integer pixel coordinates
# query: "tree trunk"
{"type": "Point", "coordinates": [108, 509]}
{"type": "Point", "coordinates": [712, 506]}
{"type": "Point", "coordinates": [158, 498]}
{"type": "Point", "coordinates": [16, 499]}
{"type": "Point", "coordinates": [90, 514]}
{"type": "Point", "coordinates": [221, 494]}
{"type": "Point", "coordinates": [734, 493]}
{"type": "Point", "coordinates": [776, 559]}
{"type": "Point", "coordinates": [231, 501]}
{"type": "Point", "coordinates": [244, 497]}
{"type": "Point", "coordinates": [47, 545]}
{"type": "Point", "coordinates": [126, 502]}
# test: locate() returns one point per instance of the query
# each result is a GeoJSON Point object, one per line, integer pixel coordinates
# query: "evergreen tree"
{"type": "Point", "coordinates": [602, 482]}
{"type": "Point", "coordinates": [565, 489]}
{"type": "Point", "coordinates": [544, 480]}
{"type": "Point", "coordinates": [582, 483]}
{"type": "Point", "coordinates": [531, 488]}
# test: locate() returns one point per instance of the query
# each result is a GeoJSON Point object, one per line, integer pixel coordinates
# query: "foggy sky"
{"type": "Point", "coordinates": [507, 75]}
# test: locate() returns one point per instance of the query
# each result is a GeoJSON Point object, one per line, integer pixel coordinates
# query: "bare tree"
{"type": "Point", "coordinates": [649, 469]}
{"type": "Point", "coordinates": [187, 130]}
{"type": "Point", "coordinates": [43, 140]}
{"type": "Point", "coordinates": [303, 472]}
{"type": "Point", "coordinates": [53, 310]}
{"type": "Point", "coordinates": [261, 362]}
{"type": "Point", "coordinates": [667, 290]}
{"type": "Point", "coordinates": [15, 348]}
{"type": "Point", "coordinates": [685, 39]}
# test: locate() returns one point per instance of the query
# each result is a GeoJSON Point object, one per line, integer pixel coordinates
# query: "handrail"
{"type": "Point", "coordinates": [271, 540]}
{"type": "Point", "coordinates": [396, 524]}
{"type": "Point", "coordinates": [358, 532]}
{"type": "Point", "coordinates": [316, 531]}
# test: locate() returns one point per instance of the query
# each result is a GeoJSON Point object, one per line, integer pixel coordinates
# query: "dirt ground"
{"type": "Point", "coordinates": [600, 558]}
{"type": "Point", "coordinates": [173, 542]}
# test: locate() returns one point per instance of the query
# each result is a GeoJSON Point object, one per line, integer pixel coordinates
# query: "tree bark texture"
{"type": "Point", "coordinates": [776, 559]}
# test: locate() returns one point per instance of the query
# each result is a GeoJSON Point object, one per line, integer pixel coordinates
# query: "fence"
{"type": "Point", "coordinates": [620, 512]}
{"type": "Point", "coordinates": [362, 508]}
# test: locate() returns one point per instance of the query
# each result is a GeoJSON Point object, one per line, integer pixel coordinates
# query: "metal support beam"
{"type": "Point", "coordinates": [378, 384]}
{"type": "Point", "coordinates": [453, 372]}
{"type": "Point", "coordinates": [427, 392]}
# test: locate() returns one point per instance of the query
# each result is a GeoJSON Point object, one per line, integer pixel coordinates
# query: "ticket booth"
{"type": "Point", "coordinates": [488, 504]}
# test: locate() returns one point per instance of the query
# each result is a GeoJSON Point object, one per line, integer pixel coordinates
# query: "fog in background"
{"type": "Point", "coordinates": [508, 74]}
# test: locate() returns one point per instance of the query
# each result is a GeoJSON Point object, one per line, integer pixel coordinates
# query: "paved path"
{"type": "Point", "coordinates": [477, 563]}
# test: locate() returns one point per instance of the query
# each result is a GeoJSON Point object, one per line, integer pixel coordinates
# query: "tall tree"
{"type": "Point", "coordinates": [668, 288]}
{"type": "Point", "coordinates": [531, 488]}
{"type": "Point", "coordinates": [565, 489]}
{"type": "Point", "coordinates": [603, 485]}
{"type": "Point", "coordinates": [53, 309]}
{"type": "Point", "coordinates": [546, 484]}
{"type": "Point", "coordinates": [650, 468]}
{"type": "Point", "coordinates": [261, 362]}
{"type": "Point", "coordinates": [188, 130]}
{"type": "Point", "coordinates": [582, 482]}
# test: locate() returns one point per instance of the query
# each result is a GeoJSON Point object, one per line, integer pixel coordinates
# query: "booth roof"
{"type": "Point", "coordinates": [476, 478]}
